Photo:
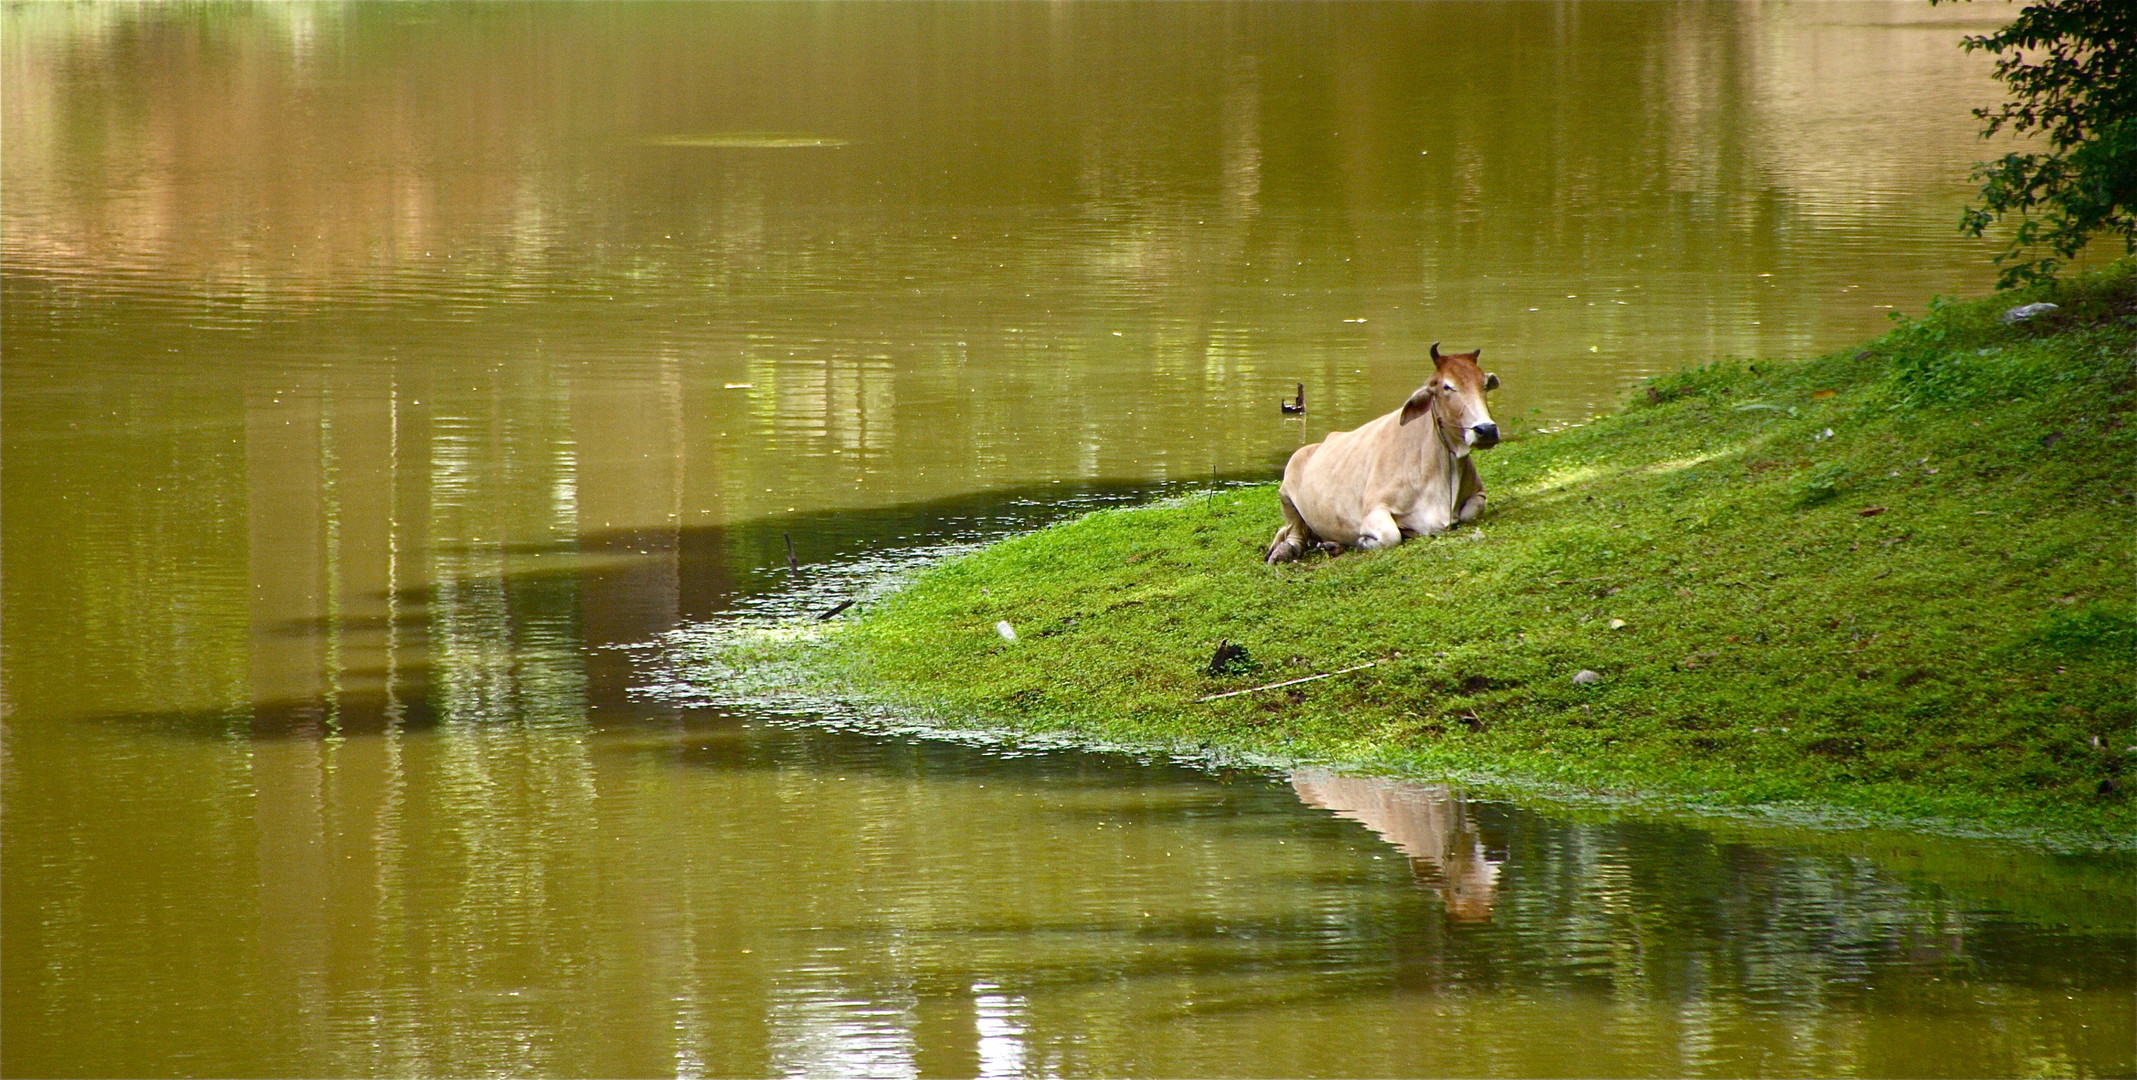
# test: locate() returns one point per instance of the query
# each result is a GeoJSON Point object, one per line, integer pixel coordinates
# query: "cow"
{"type": "Point", "coordinates": [1408, 473]}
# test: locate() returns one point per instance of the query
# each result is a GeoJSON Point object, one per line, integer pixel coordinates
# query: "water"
{"type": "Point", "coordinates": [382, 384]}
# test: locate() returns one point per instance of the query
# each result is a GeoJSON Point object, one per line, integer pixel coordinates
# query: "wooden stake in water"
{"type": "Point", "coordinates": [793, 564]}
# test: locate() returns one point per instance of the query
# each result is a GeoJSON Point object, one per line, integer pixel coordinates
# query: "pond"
{"type": "Point", "coordinates": [382, 387]}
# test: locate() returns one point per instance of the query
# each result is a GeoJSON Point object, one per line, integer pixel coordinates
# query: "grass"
{"type": "Point", "coordinates": [1893, 581]}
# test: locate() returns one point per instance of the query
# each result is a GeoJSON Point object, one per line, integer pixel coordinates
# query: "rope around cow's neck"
{"type": "Point", "coordinates": [1439, 427]}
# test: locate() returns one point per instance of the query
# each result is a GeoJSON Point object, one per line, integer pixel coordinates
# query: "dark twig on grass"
{"type": "Point", "coordinates": [1286, 682]}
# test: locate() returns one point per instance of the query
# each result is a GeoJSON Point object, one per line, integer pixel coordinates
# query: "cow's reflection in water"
{"type": "Point", "coordinates": [1427, 822]}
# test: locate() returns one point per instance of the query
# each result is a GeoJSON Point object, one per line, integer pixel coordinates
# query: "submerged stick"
{"type": "Point", "coordinates": [793, 564]}
{"type": "Point", "coordinates": [1286, 682]}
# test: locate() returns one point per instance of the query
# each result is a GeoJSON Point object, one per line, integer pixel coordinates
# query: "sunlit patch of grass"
{"type": "Point", "coordinates": [1560, 479]}
{"type": "Point", "coordinates": [1680, 464]}
{"type": "Point", "coordinates": [1905, 588]}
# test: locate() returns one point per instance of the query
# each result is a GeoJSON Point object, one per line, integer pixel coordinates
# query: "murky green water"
{"type": "Point", "coordinates": [382, 384]}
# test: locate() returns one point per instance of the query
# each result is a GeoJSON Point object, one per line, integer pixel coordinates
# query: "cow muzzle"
{"type": "Point", "coordinates": [1484, 435]}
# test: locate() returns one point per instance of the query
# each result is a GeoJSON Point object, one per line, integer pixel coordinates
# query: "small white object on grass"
{"type": "Point", "coordinates": [1584, 676]}
{"type": "Point", "coordinates": [1008, 632]}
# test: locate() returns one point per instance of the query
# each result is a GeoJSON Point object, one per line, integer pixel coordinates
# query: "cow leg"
{"type": "Point", "coordinates": [1469, 493]}
{"type": "Point", "coordinates": [1283, 547]}
{"type": "Point", "coordinates": [1379, 530]}
{"type": "Point", "coordinates": [1292, 537]}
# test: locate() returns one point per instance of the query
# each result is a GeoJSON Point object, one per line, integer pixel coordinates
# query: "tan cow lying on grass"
{"type": "Point", "coordinates": [1406, 474]}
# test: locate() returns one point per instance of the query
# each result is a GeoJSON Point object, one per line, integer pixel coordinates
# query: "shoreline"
{"type": "Point", "coordinates": [1889, 586]}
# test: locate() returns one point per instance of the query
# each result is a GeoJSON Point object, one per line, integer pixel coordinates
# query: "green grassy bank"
{"type": "Point", "coordinates": [1895, 580]}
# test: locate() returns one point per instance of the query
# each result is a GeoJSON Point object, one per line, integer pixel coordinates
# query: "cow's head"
{"type": "Point", "coordinates": [1455, 397]}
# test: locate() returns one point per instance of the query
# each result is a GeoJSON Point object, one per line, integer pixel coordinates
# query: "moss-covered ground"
{"type": "Point", "coordinates": [1896, 580]}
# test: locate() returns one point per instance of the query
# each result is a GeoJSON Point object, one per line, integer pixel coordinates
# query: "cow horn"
{"type": "Point", "coordinates": [1435, 352]}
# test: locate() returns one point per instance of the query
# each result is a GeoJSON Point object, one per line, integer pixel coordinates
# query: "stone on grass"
{"type": "Point", "coordinates": [2025, 311]}
{"type": "Point", "coordinates": [1584, 676]}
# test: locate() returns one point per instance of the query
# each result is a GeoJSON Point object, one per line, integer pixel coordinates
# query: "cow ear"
{"type": "Point", "coordinates": [1491, 381]}
{"type": "Point", "coordinates": [1416, 406]}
